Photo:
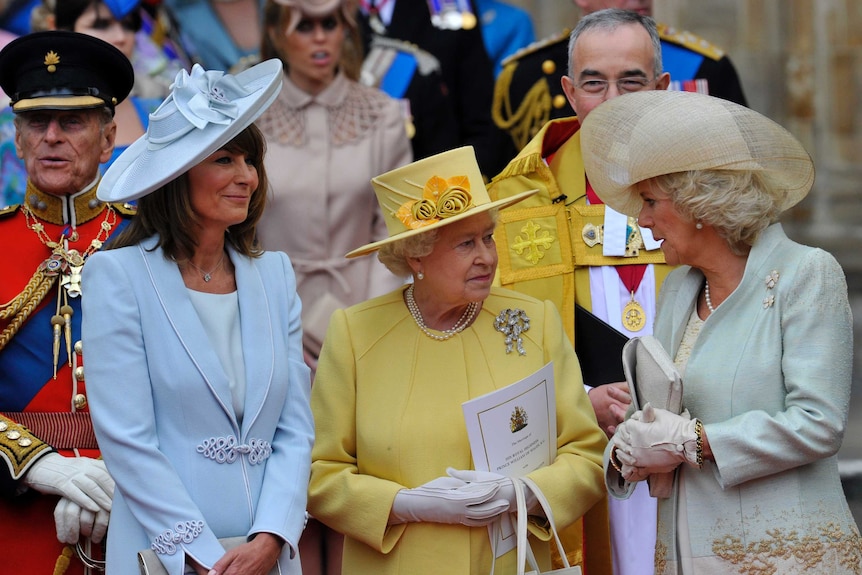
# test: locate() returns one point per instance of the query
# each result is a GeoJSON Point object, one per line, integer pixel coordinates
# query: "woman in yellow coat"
{"type": "Point", "coordinates": [395, 370]}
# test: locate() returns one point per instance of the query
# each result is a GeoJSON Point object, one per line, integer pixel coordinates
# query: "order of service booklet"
{"type": "Point", "coordinates": [513, 431]}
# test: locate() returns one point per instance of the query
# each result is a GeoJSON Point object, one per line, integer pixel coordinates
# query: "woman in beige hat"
{"type": "Point", "coordinates": [758, 325]}
{"type": "Point", "coordinates": [327, 136]}
{"type": "Point", "coordinates": [395, 370]}
{"type": "Point", "coordinates": [205, 422]}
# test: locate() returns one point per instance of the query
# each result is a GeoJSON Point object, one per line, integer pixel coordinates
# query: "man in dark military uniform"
{"type": "Point", "coordinates": [435, 60]}
{"type": "Point", "coordinates": [56, 493]}
{"type": "Point", "coordinates": [528, 92]}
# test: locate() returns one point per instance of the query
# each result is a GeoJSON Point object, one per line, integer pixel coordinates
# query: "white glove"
{"type": "Point", "coordinates": [449, 500]}
{"type": "Point", "coordinates": [657, 440]}
{"type": "Point", "coordinates": [81, 479]}
{"type": "Point", "coordinates": [506, 492]}
{"type": "Point", "coordinates": [73, 522]}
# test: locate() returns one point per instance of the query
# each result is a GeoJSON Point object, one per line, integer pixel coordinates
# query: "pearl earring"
{"type": "Point", "coordinates": [420, 276]}
{"type": "Point", "coordinates": [698, 225]}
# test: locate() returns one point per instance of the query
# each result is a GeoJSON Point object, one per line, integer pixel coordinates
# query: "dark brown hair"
{"type": "Point", "coordinates": [167, 212]}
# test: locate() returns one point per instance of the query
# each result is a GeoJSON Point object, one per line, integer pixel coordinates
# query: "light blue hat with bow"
{"type": "Point", "coordinates": [204, 111]}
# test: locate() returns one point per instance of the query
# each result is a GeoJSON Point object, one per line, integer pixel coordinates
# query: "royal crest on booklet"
{"type": "Point", "coordinates": [513, 431]}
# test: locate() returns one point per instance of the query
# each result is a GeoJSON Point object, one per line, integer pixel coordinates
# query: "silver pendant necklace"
{"type": "Point", "coordinates": [207, 276]}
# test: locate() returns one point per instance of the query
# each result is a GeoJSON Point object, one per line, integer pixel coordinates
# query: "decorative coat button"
{"type": "Point", "coordinates": [79, 373]}
{"type": "Point", "coordinates": [80, 401]}
{"type": "Point", "coordinates": [3, 426]}
{"type": "Point", "coordinates": [549, 67]}
{"type": "Point", "coordinates": [79, 347]}
{"type": "Point", "coordinates": [559, 101]}
{"type": "Point", "coordinates": [25, 442]}
{"type": "Point", "coordinates": [13, 435]}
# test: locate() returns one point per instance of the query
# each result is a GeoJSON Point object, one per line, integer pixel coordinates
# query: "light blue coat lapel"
{"type": "Point", "coordinates": [183, 318]}
{"type": "Point", "coordinates": [257, 337]}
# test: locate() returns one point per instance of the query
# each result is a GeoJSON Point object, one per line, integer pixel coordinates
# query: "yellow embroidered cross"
{"type": "Point", "coordinates": [534, 242]}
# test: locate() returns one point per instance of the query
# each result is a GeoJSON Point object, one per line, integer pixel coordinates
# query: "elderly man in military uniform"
{"type": "Point", "coordinates": [599, 268]}
{"type": "Point", "coordinates": [56, 493]}
{"type": "Point", "coordinates": [528, 93]}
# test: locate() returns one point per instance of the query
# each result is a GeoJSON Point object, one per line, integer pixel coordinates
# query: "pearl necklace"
{"type": "Point", "coordinates": [207, 276]}
{"type": "Point", "coordinates": [708, 300]}
{"type": "Point", "coordinates": [462, 323]}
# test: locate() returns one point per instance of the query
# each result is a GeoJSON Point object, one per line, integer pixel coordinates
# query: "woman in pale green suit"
{"type": "Point", "coordinates": [758, 325]}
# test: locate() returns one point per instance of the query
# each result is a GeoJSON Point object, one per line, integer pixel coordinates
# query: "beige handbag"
{"type": "Point", "coordinates": [148, 560]}
{"type": "Point", "coordinates": [653, 379]}
{"type": "Point", "coordinates": [524, 550]}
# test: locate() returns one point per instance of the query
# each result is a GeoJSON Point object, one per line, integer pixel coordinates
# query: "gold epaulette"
{"type": "Point", "coordinates": [691, 41]}
{"type": "Point", "coordinates": [527, 92]}
{"type": "Point", "coordinates": [9, 210]}
{"type": "Point", "coordinates": [537, 45]}
{"type": "Point", "coordinates": [18, 447]}
{"type": "Point", "coordinates": [519, 166]}
{"type": "Point", "coordinates": [125, 208]}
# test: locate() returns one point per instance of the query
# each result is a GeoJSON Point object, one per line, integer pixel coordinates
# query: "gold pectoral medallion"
{"type": "Point", "coordinates": [634, 316]}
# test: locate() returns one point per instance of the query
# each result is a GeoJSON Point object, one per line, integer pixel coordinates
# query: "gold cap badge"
{"type": "Point", "coordinates": [51, 61]}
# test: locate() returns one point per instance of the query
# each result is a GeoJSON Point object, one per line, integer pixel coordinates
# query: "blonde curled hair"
{"type": "Point", "coordinates": [738, 204]}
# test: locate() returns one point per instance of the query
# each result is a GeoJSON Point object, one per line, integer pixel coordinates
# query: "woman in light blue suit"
{"type": "Point", "coordinates": [198, 388]}
{"type": "Point", "coordinates": [758, 325]}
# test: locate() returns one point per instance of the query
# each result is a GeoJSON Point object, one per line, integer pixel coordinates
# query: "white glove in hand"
{"type": "Point", "coordinates": [449, 500]}
{"type": "Point", "coordinates": [506, 492]}
{"type": "Point", "coordinates": [73, 522]}
{"type": "Point", "coordinates": [81, 479]}
{"type": "Point", "coordinates": [629, 466]}
{"type": "Point", "coordinates": [657, 440]}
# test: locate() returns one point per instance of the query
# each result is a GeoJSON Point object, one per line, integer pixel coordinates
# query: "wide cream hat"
{"type": "Point", "coordinates": [639, 136]}
{"type": "Point", "coordinates": [204, 111]}
{"type": "Point", "coordinates": [430, 193]}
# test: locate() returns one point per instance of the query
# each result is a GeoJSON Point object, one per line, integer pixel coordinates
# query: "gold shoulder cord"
{"type": "Point", "coordinates": [532, 113]}
{"type": "Point", "coordinates": [22, 305]}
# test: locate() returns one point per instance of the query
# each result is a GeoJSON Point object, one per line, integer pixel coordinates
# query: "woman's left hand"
{"type": "Point", "coordinates": [253, 558]}
{"type": "Point", "coordinates": [507, 489]}
{"type": "Point", "coordinates": [657, 439]}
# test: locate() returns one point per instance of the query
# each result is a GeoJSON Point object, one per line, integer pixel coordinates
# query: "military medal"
{"type": "Point", "coordinates": [452, 14]}
{"type": "Point", "coordinates": [634, 316]}
{"type": "Point", "coordinates": [373, 8]}
{"type": "Point", "coordinates": [376, 24]}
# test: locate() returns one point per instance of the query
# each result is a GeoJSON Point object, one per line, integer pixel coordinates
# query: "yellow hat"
{"type": "Point", "coordinates": [431, 193]}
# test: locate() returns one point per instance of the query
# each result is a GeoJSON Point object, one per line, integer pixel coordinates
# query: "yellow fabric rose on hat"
{"type": "Point", "coordinates": [441, 198]}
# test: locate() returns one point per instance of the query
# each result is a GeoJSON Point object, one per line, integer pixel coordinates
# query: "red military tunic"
{"type": "Point", "coordinates": [41, 412]}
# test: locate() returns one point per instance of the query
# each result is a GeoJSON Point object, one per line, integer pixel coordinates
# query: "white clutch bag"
{"type": "Point", "coordinates": [653, 378]}
{"type": "Point", "coordinates": [148, 560]}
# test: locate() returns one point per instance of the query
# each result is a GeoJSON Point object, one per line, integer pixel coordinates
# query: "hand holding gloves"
{"type": "Point", "coordinates": [449, 500]}
{"type": "Point", "coordinates": [657, 441]}
{"type": "Point", "coordinates": [73, 521]}
{"type": "Point", "coordinates": [506, 492]}
{"type": "Point", "coordinates": [86, 490]}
